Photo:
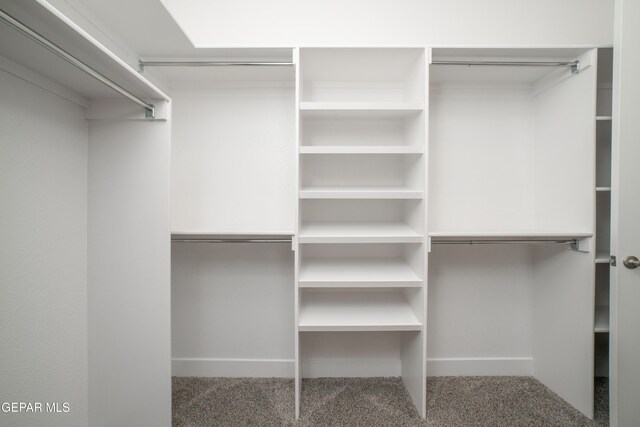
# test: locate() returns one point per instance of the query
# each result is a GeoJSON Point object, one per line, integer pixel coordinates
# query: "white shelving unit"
{"type": "Point", "coordinates": [361, 241]}
{"type": "Point", "coordinates": [603, 122]}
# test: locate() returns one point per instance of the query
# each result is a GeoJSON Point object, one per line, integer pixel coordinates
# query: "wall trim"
{"type": "Point", "coordinates": [480, 366]}
{"type": "Point", "coordinates": [213, 367]}
{"type": "Point", "coordinates": [315, 368]}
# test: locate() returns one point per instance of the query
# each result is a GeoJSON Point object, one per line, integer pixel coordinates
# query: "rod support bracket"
{"type": "Point", "coordinates": [140, 66]}
{"type": "Point", "coordinates": [575, 67]}
{"type": "Point", "coordinates": [150, 113]}
{"type": "Point", "coordinates": [575, 245]}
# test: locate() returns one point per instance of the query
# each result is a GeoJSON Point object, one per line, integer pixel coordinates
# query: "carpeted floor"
{"type": "Point", "coordinates": [451, 401]}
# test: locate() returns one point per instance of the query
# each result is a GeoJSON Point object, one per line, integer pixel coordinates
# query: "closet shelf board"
{"type": "Point", "coordinates": [361, 149]}
{"type": "Point", "coordinates": [359, 109]}
{"type": "Point", "coordinates": [508, 234]}
{"type": "Point", "coordinates": [601, 319]}
{"type": "Point", "coordinates": [604, 118]}
{"type": "Point", "coordinates": [365, 272]}
{"type": "Point", "coordinates": [356, 311]}
{"type": "Point", "coordinates": [360, 192]}
{"type": "Point", "coordinates": [602, 257]}
{"type": "Point", "coordinates": [358, 232]}
{"type": "Point", "coordinates": [603, 189]}
{"type": "Point", "coordinates": [204, 235]}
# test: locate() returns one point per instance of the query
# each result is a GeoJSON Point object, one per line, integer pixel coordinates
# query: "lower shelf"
{"type": "Point", "coordinates": [601, 319]}
{"type": "Point", "coordinates": [356, 311]}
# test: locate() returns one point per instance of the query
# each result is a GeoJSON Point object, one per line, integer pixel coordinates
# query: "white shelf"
{"type": "Point", "coordinates": [62, 31]}
{"type": "Point", "coordinates": [204, 234]}
{"type": "Point", "coordinates": [359, 109]}
{"type": "Point", "coordinates": [602, 257]}
{"type": "Point", "coordinates": [601, 319]}
{"type": "Point", "coordinates": [357, 272]}
{"type": "Point", "coordinates": [603, 189]}
{"type": "Point", "coordinates": [361, 149]}
{"type": "Point", "coordinates": [360, 192]}
{"type": "Point", "coordinates": [356, 311]}
{"type": "Point", "coordinates": [358, 232]}
{"type": "Point", "coordinates": [509, 234]}
{"type": "Point", "coordinates": [604, 118]}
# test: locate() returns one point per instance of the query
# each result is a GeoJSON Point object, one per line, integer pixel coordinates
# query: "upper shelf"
{"type": "Point", "coordinates": [360, 109]}
{"type": "Point", "coordinates": [57, 28]}
{"type": "Point", "coordinates": [507, 235]}
{"type": "Point", "coordinates": [358, 232]}
{"type": "Point", "coordinates": [201, 235]}
{"type": "Point", "coordinates": [361, 149]}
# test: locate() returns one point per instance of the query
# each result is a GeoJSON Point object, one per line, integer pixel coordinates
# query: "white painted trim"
{"type": "Point", "coordinates": [316, 368]}
{"type": "Point", "coordinates": [42, 82]}
{"type": "Point", "coordinates": [211, 367]}
{"type": "Point", "coordinates": [480, 366]}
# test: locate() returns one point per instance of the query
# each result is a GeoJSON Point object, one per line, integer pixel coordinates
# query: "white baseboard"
{"type": "Point", "coordinates": [480, 366]}
{"type": "Point", "coordinates": [206, 367]}
{"type": "Point", "coordinates": [314, 368]}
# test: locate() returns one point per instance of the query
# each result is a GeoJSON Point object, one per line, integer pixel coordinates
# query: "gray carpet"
{"type": "Point", "coordinates": [451, 401]}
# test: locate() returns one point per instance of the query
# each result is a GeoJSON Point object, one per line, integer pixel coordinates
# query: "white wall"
{"type": "Point", "coordinates": [43, 235]}
{"type": "Point", "coordinates": [479, 315]}
{"type": "Point", "coordinates": [232, 309]}
{"type": "Point", "coordinates": [382, 22]}
{"type": "Point", "coordinates": [233, 158]}
{"type": "Point", "coordinates": [129, 322]}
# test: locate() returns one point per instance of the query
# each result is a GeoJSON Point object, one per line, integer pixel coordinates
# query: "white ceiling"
{"type": "Point", "coordinates": [149, 30]}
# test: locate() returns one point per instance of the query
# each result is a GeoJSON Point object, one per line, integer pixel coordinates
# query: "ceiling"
{"type": "Point", "coordinates": [148, 29]}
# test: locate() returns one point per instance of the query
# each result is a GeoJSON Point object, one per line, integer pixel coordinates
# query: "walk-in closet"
{"type": "Point", "coordinates": [305, 217]}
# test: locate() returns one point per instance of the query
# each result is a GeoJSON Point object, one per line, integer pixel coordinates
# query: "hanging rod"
{"type": "Point", "coordinates": [232, 240]}
{"type": "Point", "coordinates": [574, 65]}
{"type": "Point", "coordinates": [143, 64]}
{"type": "Point", "coordinates": [572, 242]}
{"type": "Point", "coordinates": [55, 49]}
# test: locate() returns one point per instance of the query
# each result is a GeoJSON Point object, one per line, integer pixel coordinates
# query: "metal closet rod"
{"type": "Point", "coordinates": [232, 240]}
{"type": "Point", "coordinates": [506, 242]}
{"type": "Point", "coordinates": [143, 64]}
{"type": "Point", "coordinates": [57, 50]}
{"type": "Point", "coordinates": [575, 65]}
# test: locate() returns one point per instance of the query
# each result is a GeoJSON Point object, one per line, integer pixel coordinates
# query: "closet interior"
{"type": "Point", "coordinates": [87, 149]}
{"type": "Point", "coordinates": [343, 211]}
{"type": "Point", "coordinates": [418, 178]}
{"type": "Point", "coordinates": [510, 220]}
